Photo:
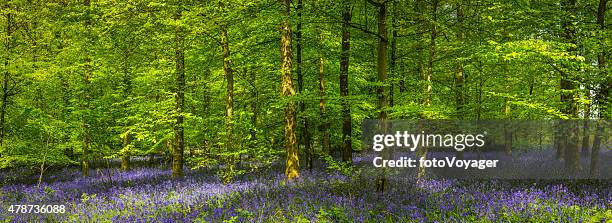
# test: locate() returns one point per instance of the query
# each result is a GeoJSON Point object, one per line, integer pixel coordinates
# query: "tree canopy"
{"type": "Point", "coordinates": [242, 82]}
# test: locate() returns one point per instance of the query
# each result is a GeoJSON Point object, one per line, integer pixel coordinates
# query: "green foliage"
{"type": "Point", "coordinates": [513, 54]}
{"type": "Point", "coordinates": [343, 168]}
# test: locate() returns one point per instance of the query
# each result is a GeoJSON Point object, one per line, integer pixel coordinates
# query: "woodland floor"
{"type": "Point", "coordinates": [149, 194]}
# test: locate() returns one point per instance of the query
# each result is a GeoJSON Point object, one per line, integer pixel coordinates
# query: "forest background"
{"type": "Point", "coordinates": [244, 83]}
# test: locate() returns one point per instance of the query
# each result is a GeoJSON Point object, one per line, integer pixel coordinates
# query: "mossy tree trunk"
{"type": "Point", "coordinates": [292, 168]}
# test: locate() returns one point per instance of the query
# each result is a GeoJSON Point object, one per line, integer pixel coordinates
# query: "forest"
{"type": "Point", "coordinates": [259, 110]}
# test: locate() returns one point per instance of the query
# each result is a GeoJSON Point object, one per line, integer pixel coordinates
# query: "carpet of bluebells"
{"type": "Point", "coordinates": [147, 194]}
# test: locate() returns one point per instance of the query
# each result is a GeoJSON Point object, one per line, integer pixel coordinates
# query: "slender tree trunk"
{"type": "Point", "coordinates": [324, 126]}
{"type": "Point", "coordinates": [594, 165]}
{"type": "Point", "coordinates": [393, 64]}
{"type": "Point", "coordinates": [507, 115]}
{"type": "Point", "coordinates": [381, 67]}
{"type": "Point", "coordinates": [127, 90]}
{"type": "Point", "coordinates": [229, 77]}
{"type": "Point", "coordinates": [432, 52]}
{"type": "Point", "coordinates": [42, 169]}
{"type": "Point", "coordinates": [420, 20]}
{"type": "Point", "coordinates": [206, 142]}
{"type": "Point", "coordinates": [567, 98]}
{"type": "Point", "coordinates": [572, 145]}
{"type": "Point", "coordinates": [5, 79]}
{"type": "Point", "coordinates": [43, 166]}
{"type": "Point", "coordinates": [347, 147]}
{"type": "Point", "coordinates": [300, 78]}
{"type": "Point", "coordinates": [568, 104]}
{"type": "Point", "coordinates": [557, 139]}
{"type": "Point", "coordinates": [459, 77]}
{"type": "Point", "coordinates": [179, 146]}
{"type": "Point", "coordinates": [586, 137]}
{"type": "Point", "coordinates": [87, 98]}
{"type": "Point", "coordinates": [206, 99]}
{"type": "Point", "coordinates": [168, 152]}
{"type": "Point", "coordinates": [287, 90]}
{"type": "Point", "coordinates": [382, 92]}
{"type": "Point", "coordinates": [422, 153]}
{"type": "Point", "coordinates": [394, 23]}
{"type": "Point", "coordinates": [602, 96]}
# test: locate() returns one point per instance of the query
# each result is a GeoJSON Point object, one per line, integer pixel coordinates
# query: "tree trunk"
{"type": "Point", "coordinates": [127, 90]}
{"type": "Point", "coordinates": [229, 103]}
{"type": "Point", "coordinates": [86, 97]}
{"type": "Point", "coordinates": [347, 147]}
{"type": "Point", "coordinates": [601, 96]}
{"type": "Point", "coordinates": [293, 163]}
{"type": "Point", "coordinates": [5, 80]}
{"type": "Point", "coordinates": [382, 93]}
{"type": "Point", "coordinates": [86, 130]}
{"type": "Point", "coordinates": [381, 67]}
{"type": "Point", "coordinates": [568, 35]}
{"type": "Point", "coordinates": [422, 153]}
{"type": "Point", "coordinates": [402, 80]}
{"type": "Point", "coordinates": [594, 165]}
{"type": "Point", "coordinates": [507, 115]}
{"type": "Point", "coordinates": [324, 127]}
{"type": "Point", "coordinates": [179, 146]}
{"type": "Point", "coordinates": [568, 104]}
{"type": "Point", "coordinates": [420, 20]}
{"type": "Point", "coordinates": [393, 64]}
{"type": "Point", "coordinates": [459, 77]}
{"type": "Point", "coordinates": [324, 122]}
{"type": "Point", "coordinates": [572, 146]}
{"type": "Point", "coordinates": [557, 139]}
{"type": "Point", "coordinates": [168, 152]}
{"type": "Point", "coordinates": [42, 165]}
{"type": "Point", "coordinates": [206, 101]}
{"type": "Point", "coordinates": [586, 137]}
{"type": "Point", "coordinates": [432, 52]}
{"type": "Point", "coordinates": [300, 78]}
